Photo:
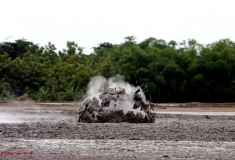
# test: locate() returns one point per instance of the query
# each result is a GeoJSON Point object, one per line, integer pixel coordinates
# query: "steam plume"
{"type": "Point", "coordinates": [99, 82]}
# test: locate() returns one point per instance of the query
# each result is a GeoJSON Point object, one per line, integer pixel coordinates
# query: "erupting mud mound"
{"type": "Point", "coordinates": [116, 105]}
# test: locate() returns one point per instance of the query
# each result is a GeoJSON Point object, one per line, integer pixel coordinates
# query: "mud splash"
{"type": "Point", "coordinates": [116, 105]}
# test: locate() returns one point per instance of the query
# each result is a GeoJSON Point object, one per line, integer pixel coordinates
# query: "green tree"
{"type": "Point", "coordinates": [15, 49]}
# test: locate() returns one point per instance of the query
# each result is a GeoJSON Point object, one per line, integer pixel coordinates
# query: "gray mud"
{"type": "Point", "coordinates": [59, 136]}
{"type": "Point", "coordinates": [115, 106]}
{"type": "Point", "coordinates": [120, 149]}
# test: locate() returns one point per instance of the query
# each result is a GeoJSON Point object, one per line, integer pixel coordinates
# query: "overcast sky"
{"type": "Point", "coordinates": [91, 22]}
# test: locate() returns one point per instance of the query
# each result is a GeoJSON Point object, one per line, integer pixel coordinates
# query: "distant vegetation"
{"type": "Point", "coordinates": [173, 72]}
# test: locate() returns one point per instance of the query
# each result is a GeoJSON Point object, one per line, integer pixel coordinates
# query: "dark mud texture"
{"type": "Point", "coordinates": [166, 127]}
{"type": "Point", "coordinates": [60, 136]}
{"type": "Point", "coordinates": [111, 109]}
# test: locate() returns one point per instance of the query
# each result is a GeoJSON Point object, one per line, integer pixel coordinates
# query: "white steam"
{"type": "Point", "coordinates": [95, 84]}
{"type": "Point", "coordinates": [98, 83]}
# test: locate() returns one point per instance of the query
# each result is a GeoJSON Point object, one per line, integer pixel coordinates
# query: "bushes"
{"type": "Point", "coordinates": [192, 72]}
{"type": "Point", "coordinates": [5, 93]}
{"type": "Point", "coordinates": [70, 94]}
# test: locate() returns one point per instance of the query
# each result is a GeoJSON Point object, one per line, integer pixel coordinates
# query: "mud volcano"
{"type": "Point", "coordinates": [115, 105]}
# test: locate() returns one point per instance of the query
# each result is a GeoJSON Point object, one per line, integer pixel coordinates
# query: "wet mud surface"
{"type": "Point", "coordinates": [56, 134]}
{"type": "Point", "coordinates": [119, 149]}
{"type": "Point", "coordinates": [115, 106]}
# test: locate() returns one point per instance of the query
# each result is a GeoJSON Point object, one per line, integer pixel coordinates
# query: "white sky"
{"type": "Point", "coordinates": [91, 22]}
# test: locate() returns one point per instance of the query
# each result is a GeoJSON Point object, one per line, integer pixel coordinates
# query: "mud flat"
{"type": "Point", "coordinates": [54, 133]}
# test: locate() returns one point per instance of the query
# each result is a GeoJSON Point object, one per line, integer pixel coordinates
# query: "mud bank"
{"type": "Point", "coordinates": [166, 127]}
{"type": "Point", "coordinates": [56, 134]}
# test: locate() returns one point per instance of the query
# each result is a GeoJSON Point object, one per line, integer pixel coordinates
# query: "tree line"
{"type": "Point", "coordinates": [173, 72]}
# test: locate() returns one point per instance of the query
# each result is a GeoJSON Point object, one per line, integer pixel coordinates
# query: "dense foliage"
{"type": "Point", "coordinates": [173, 72]}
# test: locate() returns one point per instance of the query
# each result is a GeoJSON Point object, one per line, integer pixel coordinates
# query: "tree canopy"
{"type": "Point", "coordinates": [173, 72]}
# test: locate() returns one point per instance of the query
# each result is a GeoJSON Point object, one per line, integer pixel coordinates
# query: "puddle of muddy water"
{"type": "Point", "coordinates": [9, 118]}
{"type": "Point", "coordinates": [30, 116]}
{"type": "Point", "coordinates": [200, 113]}
{"type": "Point", "coordinates": [39, 111]}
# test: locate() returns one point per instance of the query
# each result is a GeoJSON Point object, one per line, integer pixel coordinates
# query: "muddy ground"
{"type": "Point", "coordinates": [45, 131]}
